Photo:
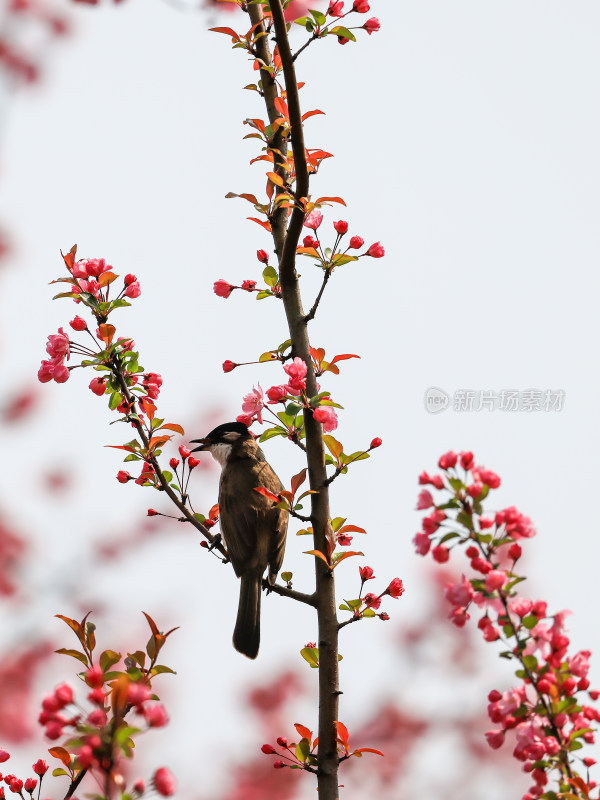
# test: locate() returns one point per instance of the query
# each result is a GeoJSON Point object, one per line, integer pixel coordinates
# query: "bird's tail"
{"type": "Point", "coordinates": [246, 636]}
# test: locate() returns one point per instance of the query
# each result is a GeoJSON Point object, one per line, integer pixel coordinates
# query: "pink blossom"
{"type": "Point", "coordinates": [466, 460]}
{"type": "Point", "coordinates": [314, 219]}
{"type": "Point", "coordinates": [520, 606]}
{"type": "Point", "coordinates": [488, 477]}
{"type": "Point", "coordinates": [343, 539]}
{"type": "Point", "coordinates": [495, 739]}
{"type": "Point", "coordinates": [222, 289]}
{"type": "Point", "coordinates": [395, 588]}
{"type": "Point", "coordinates": [366, 573]}
{"type": "Point", "coordinates": [247, 419]}
{"type": "Point", "coordinates": [336, 9]}
{"type": "Point", "coordinates": [133, 290]}
{"type": "Point", "coordinates": [448, 460]}
{"type": "Point", "coordinates": [156, 715]}
{"type": "Point", "coordinates": [327, 417]}
{"type": "Point", "coordinates": [57, 346]}
{"type": "Point", "coordinates": [296, 370]}
{"type": "Point", "coordinates": [372, 601]}
{"type": "Point", "coordinates": [362, 6]}
{"type": "Point", "coordinates": [253, 403]}
{"type": "Point", "coordinates": [425, 500]}
{"type": "Point", "coordinates": [40, 767]}
{"type": "Point", "coordinates": [164, 782]}
{"type": "Point", "coordinates": [459, 594]}
{"type": "Point", "coordinates": [98, 386]}
{"type": "Point", "coordinates": [376, 250]}
{"type": "Point", "coordinates": [441, 554]}
{"type": "Point", "coordinates": [92, 286]}
{"type": "Point", "coordinates": [277, 393]}
{"type": "Point", "coordinates": [64, 694]}
{"type": "Point", "coordinates": [579, 664]}
{"type": "Point", "coordinates": [296, 9]}
{"type": "Point", "coordinates": [422, 543]}
{"type": "Point", "coordinates": [485, 522]}
{"type": "Point", "coordinates": [458, 616]}
{"type": "Point", "coordinates": [53, 370]}
{"type": "Point", "coordinates": [94, 267]}
{"type": "Point", "coordinates": [78, 324]}
{"type": "Point", "coordinates": [372, 26]}
{"type": "Point", "coordinates": [495, 579]}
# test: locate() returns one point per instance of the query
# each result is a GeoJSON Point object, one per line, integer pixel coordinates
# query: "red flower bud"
{"type": "Point", "coordinates": [262, 256]}
{"type": "Point", "coordinates": [362, 6]}
{"type": "Point", "coordinates": [164, 782]}
{"type": "Point", "coordinates": [268, 750]}
{"type": "Point", "coordinates": [174, 463]}
{"type": "Point", "coordinates": [184, 451]}
{"type": "Point", "coordinates": [40, 767]}
{"type": "Point", "coordinates": [193, 462]}
{"type": "Point", "coordinates": [78, 324]}
{"type": "Point", "coordinates": [278, 764]}
{"type": "Point", "coordinates": [123, 476]}
{"type": "Point", "coordinates": [282, 741]}
{"type": "Point", "coordinates": [229, 365]}
{"type": "Point", "coordinates": [98, 385]}
{"type": "Point", "coordinates": [515, 551]}
{"type": "Point", "coordinates": [376, 250]}
{"type": "Point", "coordinates": [152, 512]}
{"type": "Point", "coordinates": [384, 616]}
{"type": "Point", "coordinates": [129, 279]}
{"type": "Point", "coordinates": [375, 443]}
{"type": "Point", "coordinates": [356, 242]}
{"type": "Point", "coordinates": [341, 227]}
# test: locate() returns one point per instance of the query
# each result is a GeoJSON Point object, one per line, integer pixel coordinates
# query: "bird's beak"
{"type": "Point", "coordinates": [205, 443]}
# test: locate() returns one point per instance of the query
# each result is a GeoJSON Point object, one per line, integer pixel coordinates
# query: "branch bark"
{"type": "Point", "coordinates": [286, 242]}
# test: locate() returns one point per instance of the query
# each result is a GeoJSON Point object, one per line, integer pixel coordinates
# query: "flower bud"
{"type": "Point", "coordinates": [356, 242]}
{"type": "Point", "coordinates": [341, 227]}
{"type": "Point", "coordinates": [262, 256]}
{"type": "Point", "coordinates": [78, 324]}
{"type": "Point", "coordinates": [229, 365]}
{"type": "Point", "coordinates": [376, 442]}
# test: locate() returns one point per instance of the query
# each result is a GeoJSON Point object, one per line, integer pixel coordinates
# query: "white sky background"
{"type": "Point", "coordinates": [466, 141]}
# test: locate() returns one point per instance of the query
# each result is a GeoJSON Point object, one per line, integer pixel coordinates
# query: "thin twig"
{"type": "Point", "coordinates": [313, 311]}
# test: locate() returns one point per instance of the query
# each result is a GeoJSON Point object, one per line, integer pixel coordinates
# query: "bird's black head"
{"type": "Point", "coordinates": [227, 433]}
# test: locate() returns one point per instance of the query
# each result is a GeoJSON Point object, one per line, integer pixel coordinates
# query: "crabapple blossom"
{"type": "Point", "coordinates": [313, 220]}
{"type": "Point", "coordinates": [356, 242]}
{"type": "Point", "coordinates": [327, 417]}
{"type": "Point", "coordinates": [376, 250]}
{"type": "Point", "coordinates": [296, 371]}
{"type": "Point", "coordinates": [253, 403]}
{"type": "Point", "coordinates": [164, 782]}
{"type": "Point", "coordinates": [222, 288]}
{"type": "Point", "coordinates": [341, 227]}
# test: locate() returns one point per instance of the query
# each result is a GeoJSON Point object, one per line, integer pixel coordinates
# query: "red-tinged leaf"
{"type": "Point", "coordinates": [148, 406]}
{"type": "Point", "coordinates": [326, 367]}
{"type": "Point", "coordinates": [256, 123]}
{"type": "Point", "coordinates": [119, 694]}
{"type": "Point", "coordinates": [298, 480]}
{"type": "Point", "coordinates": [311, 114]}
{"type": "Point", "coordinates": [311, 656]}
{"type": "Point", "coordinates": [266, 493]}
{"type": "Point", "coordinates": [368, 750]}
{"type": "Point", "coordinates": [343, 357]}
{"type": "Point", "coordinates": [335, 448]}
{"type": "Point", "coordinates": [249, 197]}
{"type": "Point", "coordinates": [342, 556]}
{"type": "Point", "coordinates": [580, 784]}
{"type": "Point", "coordinates": [214, 512]}
{"type": "Point", "coordinates": [318, 353]}
{"type": "Point", "coordinates": [318, 554]}
{"type": "Point", "coordinates": [106, 332]}
{"type": "Point", "coordinates": [349, 528]}
{"type": "Point", "coordinates": [64, 294]}
{"type": "Point", "coordinates": [342, 733]}
{"type": "Point", "coordinates": [322, 200]}
{"type": "Point", "coordinates": [228, 32]}
{"type": "Point", "coordinates": [62, 755]}
{"type": "Point", "coordinates": [318, 155]}
{"type": "Point", "coordinates": [308, 251]}
{"type": "Point", "coordinates": [64, 651]}
{"type": "Point", "coordinates": [120, 447]}
{"type": "Point", "coordinates": [306, 493]}
{"type": "Point", "coordinates": [108, 658]}
{"type": "Point", "coordinates": [158, 441]}
{"type": "Point", "coordinates": [288, 495]}
{"type": "Point", "coordinates": [152, 624]}
{"type": "Point", "coordinates": [266, 225]}
{"type": "Point", "coordinates": [73, 624]}
{"type": "Point", "coordinates": [172, 426]}
{"type": "Point", "coordinates": [69, 258]}
{"type": "Point", "coordinates": [106, 278]}
{"type": "Point", "coordinates": [281, 106]}
{"type": "Point", "coordinates": [275, 178]}
{"type": "Point", "coordinates": [303, 731]}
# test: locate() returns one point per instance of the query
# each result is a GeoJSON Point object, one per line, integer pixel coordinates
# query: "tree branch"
{"type": "Point", "coordinates": [313, 311]}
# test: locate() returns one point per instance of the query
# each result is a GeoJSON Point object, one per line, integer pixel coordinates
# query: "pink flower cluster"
{"type": "Point", "coordinates": [58, 349]}
{"type": "Point", "coordinates": [254, 402]}
{"type": "Point", "coordinates": [543, 714]}
{"type": "Point", "coordinates": [313, 221]}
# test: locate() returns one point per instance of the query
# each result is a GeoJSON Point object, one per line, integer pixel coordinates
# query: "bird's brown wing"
{"type": "Point", "coordinates": [250, 525]}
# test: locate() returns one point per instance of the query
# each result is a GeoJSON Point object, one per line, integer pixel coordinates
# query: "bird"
{"type": "Point", "coordinates": [253, 528]}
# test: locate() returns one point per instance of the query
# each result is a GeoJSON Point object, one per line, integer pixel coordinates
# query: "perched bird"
{"type": "Point", "coordinates": [253, 529]}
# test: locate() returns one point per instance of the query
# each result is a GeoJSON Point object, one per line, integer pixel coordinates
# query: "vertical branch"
{"type": "Point", "coordinates": [320, 513]}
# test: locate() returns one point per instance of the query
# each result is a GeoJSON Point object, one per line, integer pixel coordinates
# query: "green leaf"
{"type": "Point", "coordinates": [159, 669]}
{"type": "Point", "coordinates": [119, 303]}
{"type": "Point", "coordinates": [339, 30]}
{"type": "Point", "coordinates": [344, 607]}
{"type": "Point", "coordinates": [59, 771]}
{"type": "Point", "coordinates": [139, 657]}
{"type": "Point", "coordinates": [340, 259]}
{"type": "Point", "coordinates": [115, 400]}
{"type": "Point", "coordinates": [530, 662]}
{"type": "Point", "coordinates": [303, 750]}
{"type": "Point", "coordinates": [284, 346]}
{"type": "Point", "coordinates": [318, 17]}
{"type": "Point", "coordinates": [368, 612]}
{"type": "Point", "coordinates": [270, 276]}
{"type": "Point", "coordinates": [286, 577]}
{"type": "Point", "coordinates": [271, 432]}
{"type": "Point", "coordinates": [132, 457]}
{"type": "Point", "coordinates": [292, 409]}
{"type": "Point", "coordinates": [530, 621]}
{"type": "Point", "coordinates": [311, 656]}
{"type": "Point", "coordinates": [108, 658]}
{"type": "Point", "coordinates": [262, 294]}
{"type": "Point", "coordinates": [168, 475]}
